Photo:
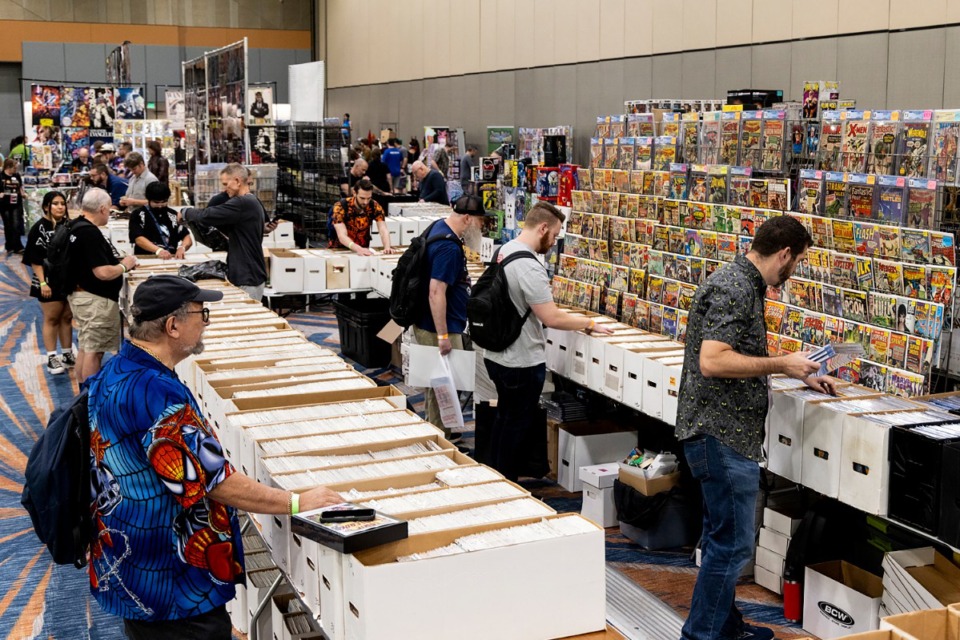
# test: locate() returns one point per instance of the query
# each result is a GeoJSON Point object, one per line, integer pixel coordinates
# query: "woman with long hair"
{"type": "Point", "coordinates": [157, 164]}
{"type": "Point", "coordinates": [57, 317]}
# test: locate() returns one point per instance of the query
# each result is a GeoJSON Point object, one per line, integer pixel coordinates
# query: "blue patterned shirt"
{"type": "Point", "coordinates": [165, 550]}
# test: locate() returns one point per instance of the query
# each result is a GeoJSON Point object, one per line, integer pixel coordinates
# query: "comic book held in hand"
{"type": "Point", "coordinates": [348, 536]}
{"type": "Point", "coordinates": [834, 355]}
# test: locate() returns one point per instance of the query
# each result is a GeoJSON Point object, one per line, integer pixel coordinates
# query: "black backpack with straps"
{"type": "Point", "coordinates": [411, 277]}
{"type": "Point", "coordinates": [56, 265]}
{"type": "Point", "coordinates": [494, 321]}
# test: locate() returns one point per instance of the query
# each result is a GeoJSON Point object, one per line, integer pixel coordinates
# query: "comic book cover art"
{"type": "Point", "coordinates": [698, 215]}
{"type": "Point", "coordinates": [710, 130]}
{"type": "Point", "coordinates": [850, 372]}
{"type": "Point", "coordinates": [873, 375]}
{"type": "Point", "coordinates": [660, 184]}
{"type": "Point", "coordinates": [642, 315]}
{"type": "Point", "coordinates": [810, 191]}
{"type": "Point", "coordinates": [682, 319]}
{"type": "Point", "coordinates": [661, 237]}
{"type": "Point", "coordinates": [773, 313]}
{"type": "Point", "coordinates": [831, 296]}
{"type": "Point", "coordinates": [811, 99]}
{"type": "Point", "coordinates": [943, 148]}
{"type": "Point", "coordinates": [817, 264]}
{"type": "Point", "coordinates": [854, 304]}
{"type": "Point", "coordinates": [611, 303]}
{"type": "Point", "coordinates": [812, 138]}
{"type": "Point", "coordinates": [748, 224]}
{"type": "Point", "coordinates": [584, 178]}
{"type": "Point", "coordinates": [739, 186]}
{"type": "Point", "coordinates": [915, 281]}
{"type": "Point", "coordinates": [75, 107]}
{"type": "Point", "coordinates": [833, 329]}
{"type": "Point", "coordinates": [772, 145]}
{"type": "Point", "coordinates": [685, 298]}
{"type": "Point", "coordinates": [822, 231]}
{"type": "Point", "coordinates": [790, 345]}
{"type": "Point", "coordinates": [629, 206]}
{"type": "Point", "coordinates": [904, 384]}
{"type": "Point", "coordinates": [854, 331]}
{"type": "Point", "coordinates": [678, 180]}
{"type": "Point", "coordinates": [75, 139]}
{"type": "Point", "coordinates": [883, 144]}
{"type": "Point", "coordinates": [743, 244]}
{"type": "Point", "coordinates": [729, 138]}
{"type": "Point", "coordinates": [921, 203]}
{"type": "Point", "coordinates": [649, 182]}
{"type": "Point", "coordinates": [130, 103]}
{"type": "Point", "coordinates": [835, 195]}
{"type": "Point", "coordinates": [628, 309]}
{"type": "Point", "coordinates": [699, 186]}
{"type": "Point", "coordinates": [813, 327]}
{"type": "Point", "coordinates": [45, 105]}
{"type": "Point", "coordinates": [640, 124]}
{"type": "Point", "coordinates": [709, 244]}
{"type": "Point", "coordinates": [860, 196]}
{"type": "Point", "coordinates": [664, 153]}
{"type": "Point", "coordinates": [792, 323]}
{"type": "Point", "coordinates": [888, 276]}
{"type": "Point", "coordinates": [655, 289]}
{"type": "Point", "coordinates": [691, 137]}
{"type": "Point", "coordinates": [828, 153]}
{"type": "Point", "coordinates": [853, 149]}
{"type": "Point", "coordinates": [864, 266]}
{"type": "Point", "coordinates": [928, 319]}
{"type": "Point", "coordinates": [915, 246]}
{"type": "Point", "coordinates": [882, 310]}
{"type": "Point", "coordinates": [891, 196]}
{"type": "Point", "coordinates": [621, 180]}
{"type": "Point", "coordinates": [626, 153]}
{"type": "Point", "coordinates": [919, 354]}
{"type": "Point", "coordinates": [942, 249]}
{"type": "Point", "coordinates": [709, 266]}
{"type": "Point", "coordinates": [867, 238]}
{"type": "Point", "coordinates": [940, 284]}
{"type": "Point", "coordinates": [726, 247]}
{"type": "Point", "coordinates": [671, 293]}
{"type": "Point", "coordinates": [897, 349]}
{"type": "Point", "coordinates": [717, 183]}
{"type": "Point", "coordinates": [644, 153]}
{"type": "Point", "coordinates": [912, 146]}
{"type": "Point", "coordinates": [751, 134]}
{"type": "Point", "coordinates": [618, 250]}
{"type": "Point", "coordinates": [670, 125]}
{"type": "Point", "coordinates": [636, 181]}
{"type": "Point", "coordinates": [843, 239]}
{"type": "Point", "coordinates": [804, 293]}
{"type": "Point", "coordinates": [778, 195]}
{"type": "Point", "coordinates": [596, 153]}
{"type": "Point", "coordinates": [620, 278]}
{"type": "Point", "coordinates": [602, 130]}
{"type": "Point", "coordinates": [656, 318]}
{"type": "Point", "coordinates": [889, 242]}
{"type": "Point", "coordinates": [671, 319]}
{"type": "Point", "coordinates": [638, 282]}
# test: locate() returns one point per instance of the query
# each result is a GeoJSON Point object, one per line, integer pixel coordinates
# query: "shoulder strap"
{"type": "Point", "coordinates": [510, 258]}
{"type": "Point", "coordinates": [446, 236]}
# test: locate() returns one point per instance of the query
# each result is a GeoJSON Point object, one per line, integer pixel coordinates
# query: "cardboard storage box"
{"type": "Point", "coordinates": [544, 597]}
{"type": "Point", "coordinates": [840, 599]}
{"type": "Point", "coordinates": [655, 370]}
{"type": "Point", "coordinates": [770, 561]}
{"type": "Point", "coordinates": [776, 542]}
{"type": "Point", "coordinates": [633, 477]}
{"type": "Point", "coordinates": [361, 271]}
{"type": "Point", "coordinates": [781, 521]}
{"type": "Point", "coordinates": [768, 579]}
{"type": "Point", "coordinates": [864, 468]}
{"type": "Point", "coordinates": [338, 271]}
{"type": "Point", "coordinates": [583, 445]}
{"type": "Point", "coordinates": [915, 579]}
{"type": "Point", "coordinates": [286, 271]}
{"type": "Point", "coordinates": [314, 272]}
{"type": "Point", "coordinates": [598, 504]}
{"type": "Point", "coordinates": [939, 624]}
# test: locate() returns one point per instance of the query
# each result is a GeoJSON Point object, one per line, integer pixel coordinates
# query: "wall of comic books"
{"type": "Point", "coordinates": [65, 119]}
{"type": "Point", "coordinates": [639, 256]}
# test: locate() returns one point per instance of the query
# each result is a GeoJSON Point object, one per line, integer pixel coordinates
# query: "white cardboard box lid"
{"type": "Point", "coordinates": [600, 476]}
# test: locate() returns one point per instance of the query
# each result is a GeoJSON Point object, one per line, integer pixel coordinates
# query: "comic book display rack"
{"type": "Point", "coordinates": [310, 168]}
{"type": "Point", "coordinates": [638, 256]}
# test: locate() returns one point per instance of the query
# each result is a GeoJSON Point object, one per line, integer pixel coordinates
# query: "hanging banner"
{"type": "Point", "coordinates": [260, 103]}
{"type": "Point", "coordinates": [175, 107]}
{"type": "Point", "coordinates": [497, 136]}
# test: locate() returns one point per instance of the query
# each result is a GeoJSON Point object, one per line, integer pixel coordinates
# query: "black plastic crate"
{"type": "Point", "coordinates": [359, 321]}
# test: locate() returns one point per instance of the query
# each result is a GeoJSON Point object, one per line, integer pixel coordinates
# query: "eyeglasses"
{"type": "Point", "coordinates": [204, 314]}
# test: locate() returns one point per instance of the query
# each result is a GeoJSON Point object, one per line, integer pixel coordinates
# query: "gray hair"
{"type": "Point", "coordinates": [153, 330]}
{"type": "Point", "coordinates": [93, 199]}
{"type": "Point", "coordinates": [236, 170]}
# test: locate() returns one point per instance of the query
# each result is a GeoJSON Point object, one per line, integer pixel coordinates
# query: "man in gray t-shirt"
{"type": "Point", "coordinates": [140, 177]}
{"type": "Point", "coordinates": [518, 372]}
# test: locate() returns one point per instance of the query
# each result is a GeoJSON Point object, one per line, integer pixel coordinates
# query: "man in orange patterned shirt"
{"type": "Point", "coordinates": [352, 218]}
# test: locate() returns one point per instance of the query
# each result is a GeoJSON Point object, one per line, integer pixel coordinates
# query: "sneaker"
{"type": "Point", "coordinates": [54, 365]}
{"type": "Point", "coordinates": [67, 360]}
{"type": "Point", "coordinates": [750, 632]}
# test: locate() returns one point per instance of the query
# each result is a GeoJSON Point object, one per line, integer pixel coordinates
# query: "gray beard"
{"type": "Point", "coordinates": [473, 239]}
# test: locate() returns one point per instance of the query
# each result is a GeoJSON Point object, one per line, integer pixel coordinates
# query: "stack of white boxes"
{"type": "Point", "coordinates": [598, 502]}
{"type": "Point", "coordinates": [778, 528]}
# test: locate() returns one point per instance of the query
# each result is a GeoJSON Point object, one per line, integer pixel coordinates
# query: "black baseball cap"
{"type": "Point", "coordinates": [469, 205]}
{"type": "Point", "coordinates": [160, 296]}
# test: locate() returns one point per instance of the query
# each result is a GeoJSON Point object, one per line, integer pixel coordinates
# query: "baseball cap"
{"type": "Point", "coordinates": [162, 295]}
{"type": "Point", "coordinates": [469, 205]}
{"type": "Point", "coordinates": [106, 147]}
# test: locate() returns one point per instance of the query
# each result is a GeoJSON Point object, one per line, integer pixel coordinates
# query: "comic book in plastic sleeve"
{"type": "Point", "coordinates": [919, 354]}
{"type": "Point", "coordinates": [861, 190]}
{"type": "Point", "coordinates": [739, 185]}
{"type": "Point", "coordinates": [620, 279]}
{"type": "Point", "coordinates": [638, 281]}
{"type": "Point", "coordinates": [810, 191]}
{"type": "Point", "coordinates": [611, 304]}
{"type": "Point", "coordinates": [879, 345]}
{"type": "Point", "coordinates": [626, 153]}
{"type": "Point", "coordinates": [942, 249]}
{"type": "Point", "coordinates": [873, 375]}
{"type": "Point", "coordinates": [811, 99]}
{"type": "Point", "coordinates": [843, 239]}
{"type": "Point", "coordinates": [944, 137]}
{"type": "Point", "coordinates": [670, 320]}
{"type": "Point", "coordinates": [683, 318]}
{"type": "Point", "coordinates": [905, 384]}
{"type": "Point", "coordinates": [897, 349]}
{"type": "Point", "coordinates": [602, 130]}
{"type": "Point", "coordinates": [671, 293]}
{"type": "Point", "coordinates": [751, 138]}
{"type": "Point", "coordinates": [831, 138]}
{"type": "Point", "coordinates": [710, 128]}
{"type": "Point", "coordinates": [792, 322]}
{"type": "Point", "coordinates": [929, 319]}
{"type": "Point", "coordinates": [817, 265]}
{"type": "Point", "coordinates": [679, 173]}
{"type": "Point", "coordinates": [676, 239]}
{"type": "Point", "coordinates": [629, 205]}
{"type": "Point", "coordinates": [831, 300]}
{"type": "Point", "coordinates": [890, 242]}
{"type": "Point", "coordinates": [664, 153]}
{"type": "Point", "coordinates": [835, 195]}
{"type": "Point", "coordinates": [843, 270]}
{"type": "Point", "coordinates": [850, 372]}
{"type": "Point", "coordinates": [640, 124]}
{"type": "Point", "coordinates": [596, 153]}
{"type": "Point", "coordinates": [854, 305]}
{"type": "Point", "coordinates": [642, 315]}
{"type": "Point", "coordinates": [921, 203]}
{"type": "Point", "coordinates": [690, 130]}
{"type": "Point", "coordinates": [778, 194]}
{"type": "Point", "coordinates": [610, 158]}
{"type": "Point", "coordinates": [717, 183]}
{"type": "Point", "coordinates": [891, 199]}
{"type": "Point", "coordinates": [882, 309]}
{"type": "Point", "coordinates": [618, 126]}
{"type": "Point", "coordinates": [915, 281]}
{"type": "Point", "coordinates": [670, 125]}
{"type": "Point", "coordinates": [726, 247]}
{"type": "Point", "coordinates": [644, 152]}
{"type": "Point", "coordinates": [915, 246]}
{"type": "Point", "coordinates": [912, 146]}
{"type": "Point", "coordinates": [772, 146]}
{"type": "Point", "coordinates": [813, 325]}
{"type": "Point", "coordinates": [950, 205]}
{"type": "Point", "coordinates": [729, 137]}
{"type": "Point", "coordinates": [822, 232]}
{"type": "Point", "coordinates": [709, 240]}
{"type": "Point", "coordinates": [864, 267]}
{"type": "Point", "coordinates": [649, 178]}
{"type": "Point", "coordinates": [888, 276]}
{"type": "Point", "coordinates": [699, 189]}
{"type": "Point", "coordinates": [881, 159]}
{"type": "Point", "coordinates": [636, 181]}
{"type": "Point", "coordinates": [773, 315]}
{"type": "Point", "coordinates": [621, 180]}
{"type": "Point", "coordinates": [940, 285]}
{"type": "Point", "coordinates": [628, 310]}
{"type": "Point", "coordinates": [585, 178]}
{"type": "Point", "coordinates": [670, 212]}
{"type": "Point", "coordinates": [853, 146]}
{"type": "Point", "coordinates": [656, 318]}
{"type": "Point", "coordinates": [697, 216]}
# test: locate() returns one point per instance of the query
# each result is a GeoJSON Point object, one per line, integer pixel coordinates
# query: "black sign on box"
{"type": "Point", "coordinates": [350, 536]}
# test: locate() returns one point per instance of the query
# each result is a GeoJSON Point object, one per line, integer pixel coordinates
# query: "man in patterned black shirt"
{"type": "Point", "coordinates": [721, 415]}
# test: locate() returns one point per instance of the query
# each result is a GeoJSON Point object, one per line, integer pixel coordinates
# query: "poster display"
{"type": "Point", "coordinates": [497, 136]}
{"type": "Point", "coordinates": [130, 103]}
{"type": "Point", "coordinates": [175, 107]}
{"type": "Point", "coordinates": [260, 100]}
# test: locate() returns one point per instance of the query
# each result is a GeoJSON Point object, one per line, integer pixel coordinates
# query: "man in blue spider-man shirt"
{"type": "Point", "coordinates": [163, 497]}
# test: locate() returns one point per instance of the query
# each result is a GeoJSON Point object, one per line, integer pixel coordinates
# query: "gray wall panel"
{"type": "Point", "coordinates": [410, 109]}
{"type": "Point", "coordinates": [525, 101]}
{"type": "Point", "coordinates": [273, 66]}
{"type": "Point", "coordinates": [734, 70]}
{"type": "Point", "coordinates": [85, 62]}
{"type": "Point", "coordinates": [667, 82]}
{"type": "Point", "coordinates": [588, 108]}
{"type": "Point", "coordinates": [302, 56]}
{"type": "Point", "coordinates": [253, 68]}
{"type": "Point", "coordinates": [138, 62]}
{"type": "Point", "coordinates": [862, 70]}
{"type": "Point", "coordinates": [473, 121]}
{"type": "Point", "coordinates": [638, 79]}
{"type": "Point", "coordinates": [506, 98]}
{"type": "Point", "coordinates": [951, 80]}
{"type": "Point", "coordinates": [44, 61]}
{"type": "Point", "coordinates": [11, 107]}
{"type": "Point", "coordinates": [163, 68]}
{"type": "Point", "coordinates": [544, 105]}
{"type": "Point", "coordinates": [611, 87]}
{"type": "Point", "coordinates": [698, 75]}
{"type": "Point", "coordinates": [916, 73]}
{"type": "Point", "coordinates": [811, 60]}
{"type": "Point", "coordinates": [565, 95]}
{"type": "Point", "coordinates": [770, 68]}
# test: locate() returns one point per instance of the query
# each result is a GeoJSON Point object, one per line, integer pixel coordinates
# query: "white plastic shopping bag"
{"type": "Point", "coordinates": [448, 400]}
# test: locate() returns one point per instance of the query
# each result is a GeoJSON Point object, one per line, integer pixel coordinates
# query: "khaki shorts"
{"type": "Point", "coordinates": [98, 319]}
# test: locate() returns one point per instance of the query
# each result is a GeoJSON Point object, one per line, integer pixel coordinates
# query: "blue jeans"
{"type": "Point", "coordinates": [730, 484]}
{"type": "Point", "coordinates": [518, 395]}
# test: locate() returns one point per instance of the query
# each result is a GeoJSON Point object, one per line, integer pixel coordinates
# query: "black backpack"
{"type": "Point", "coordinates": [56, 266]}
{"type": "Point", "coordinates": [56, 489]}
{"type": "Point", "coordinates": [492, 317]}
{"type": "Point", "coordinates": [411, 277]}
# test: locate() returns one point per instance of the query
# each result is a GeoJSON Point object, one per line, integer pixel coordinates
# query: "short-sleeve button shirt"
{"type": "Point", "coordinates": [727, 308]}
{"type": "Point", "coordinates": [356, 219]}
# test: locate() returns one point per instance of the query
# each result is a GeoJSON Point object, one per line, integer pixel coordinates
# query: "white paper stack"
{"type": "Point", "coordinates": [342, 384]}
{"type": "Point", "coordinates": [447, 497]}
{"type": "Point", "coordinates": [502, 512]}
{"type": "Point", "coordinates": [360, 472]}
{"type": "Point", "coordinates": [347, 438]}
{"type": "Point", "coordinates": [286, 464]}
{"type": "Point", "coordinates": [331, 410]}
